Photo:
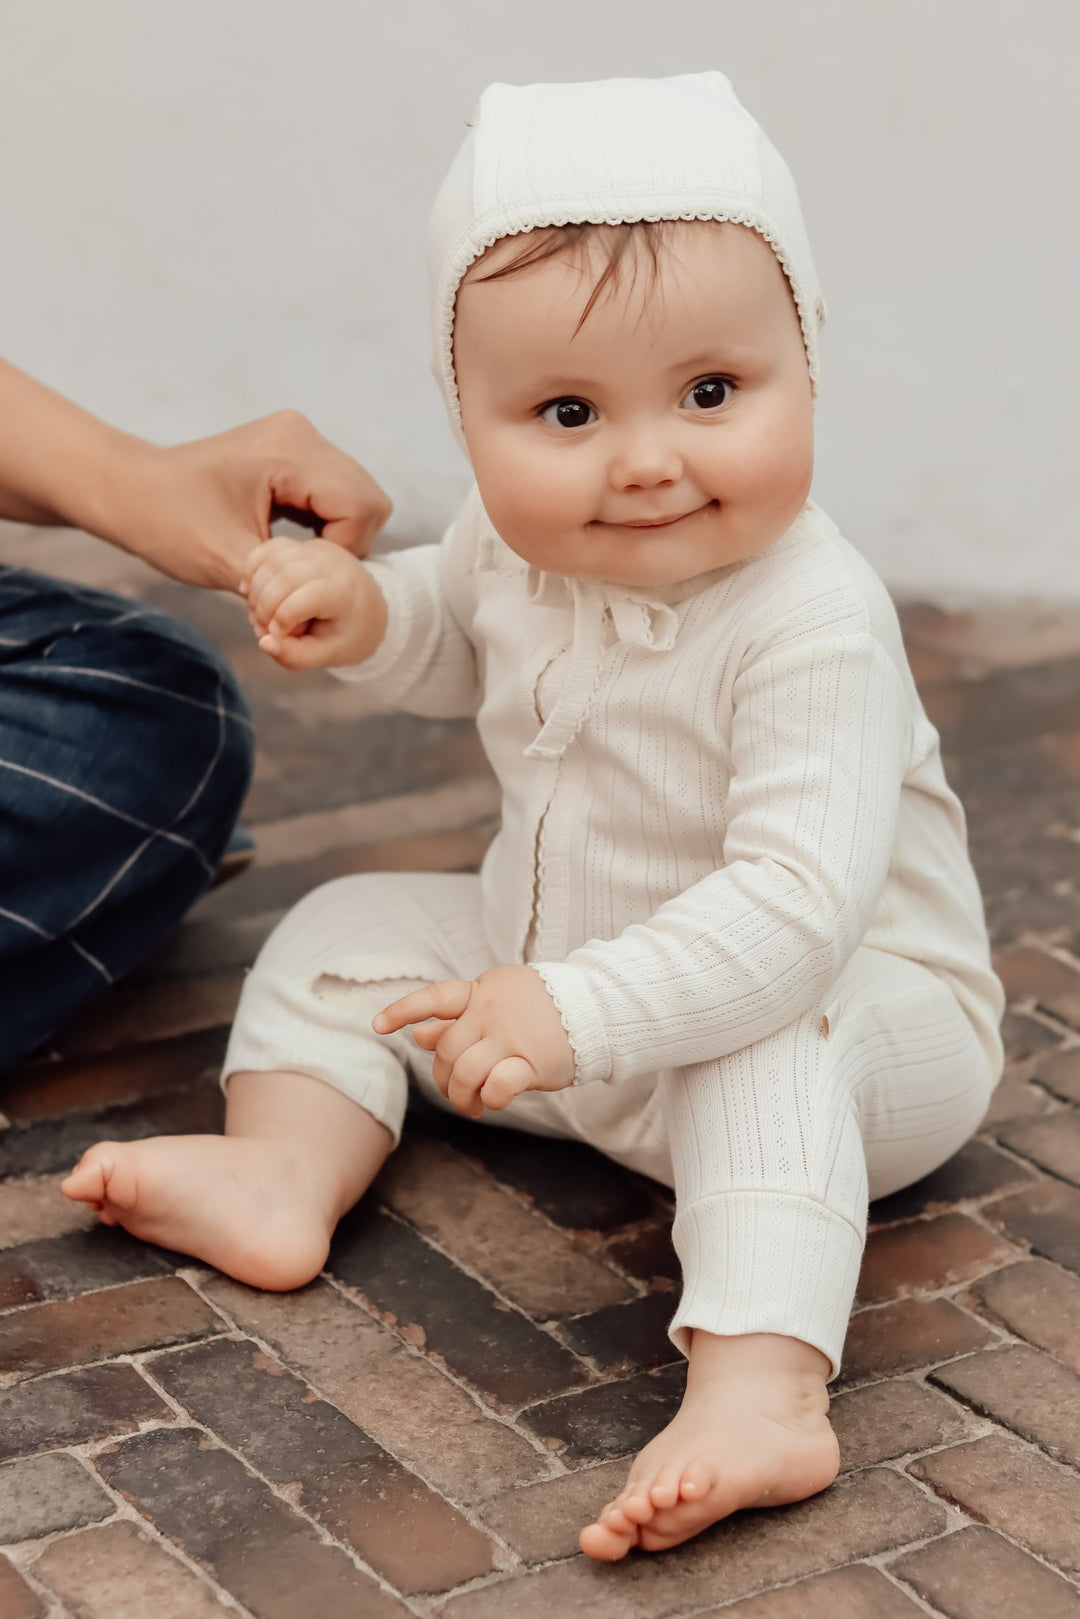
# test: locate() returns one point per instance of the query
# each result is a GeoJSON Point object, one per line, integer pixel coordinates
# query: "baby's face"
{"type": "Point", "coordinates": [672, 435]}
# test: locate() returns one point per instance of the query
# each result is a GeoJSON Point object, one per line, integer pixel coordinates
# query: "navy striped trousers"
{"type": "Point", "coordinates": [125, 754]}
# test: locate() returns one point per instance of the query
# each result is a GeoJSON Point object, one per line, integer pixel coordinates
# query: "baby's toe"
{"type": "Point", "coordinates": [635, 1503]}
{"type": "Point", "coordinates": [664, 1490]}
{"type": "Point", "coordinates": [110, 1172]}
{"type": "Point", "coordinates": [698, 1478]}
{"type": "Point", "coordinates": [89, 1179]}
{"type": "Point", "coordinates": [610, 1538]}
{"type": "Point", "coordinates": [613, 1517]}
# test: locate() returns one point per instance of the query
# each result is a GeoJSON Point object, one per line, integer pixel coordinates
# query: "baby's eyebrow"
{"type": "Point", "coordinates": [553, 386]}
{"type": "Point", "coordinates": [712, 361]}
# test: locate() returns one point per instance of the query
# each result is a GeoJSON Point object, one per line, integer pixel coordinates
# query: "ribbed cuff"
{"type": "Point", "coordinates": [756, 1261]}
{"type": "Point", "coordinates": [576, 1006]}
{"type": "Point", "coordinates": [281, 1027]}
{"type": "Point", "coordinates": [390, 648]}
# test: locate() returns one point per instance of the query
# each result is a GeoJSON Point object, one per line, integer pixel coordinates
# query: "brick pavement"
{"type": "Point", "coordinates": [422, 1430]}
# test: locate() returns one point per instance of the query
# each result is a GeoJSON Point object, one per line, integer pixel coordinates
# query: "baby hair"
{"type": "Point", "coordinates": [637, 240]}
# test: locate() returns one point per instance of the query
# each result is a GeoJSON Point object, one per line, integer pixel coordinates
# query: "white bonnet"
{"type": "Point", "coordinates": [611, 152]}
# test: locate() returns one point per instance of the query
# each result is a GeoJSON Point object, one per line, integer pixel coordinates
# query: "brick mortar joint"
{"type": "Point", "coordinates": [859, 1562]}
{"type": "Point", "coordinates": [85, 1293]}
{"type": "Point", "coordinates": [191, 1422]}
{"type": "Point", "coordinates": [969, 1519]}
{"type": "Point", "coordinates": [1030, 1006]}
{"type": "Point", "coordinates": [474, 1275]}
{"type": "Point", "coordinates": [1055, 1107]}
{"type": "Point", "coordinates": [597, 1250]}
{"type": "Point", "coordinates": [355, 1298]}
{"type": "Point", "coordinates": [552, 1328]}
{"type": "Point", "coordinates": [968, 1522]}
{"type": "Point", "coordinates": [1046, 945]}
{"type": "Point", "coordinates": [972, 1207]}
{"type": "Point", "coordinates": [874, 1560]}
{"type": "Point", "coordinates": [25, 1554]}
{"type": "Point", "coordinates": [468, 1512]}
{"type": "Point", "coordinates": [1003, 1339]}
{"type": "Point", "coordinates": [124, 1357]}
{"type": "Point", "coordinates": [52, 1606]}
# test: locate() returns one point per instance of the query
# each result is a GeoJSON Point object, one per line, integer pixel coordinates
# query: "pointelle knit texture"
{"type": "Point", "coordinates": [712, 793]}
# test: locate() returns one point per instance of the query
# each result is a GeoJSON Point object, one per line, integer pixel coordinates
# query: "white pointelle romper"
{"type": "Point", "coordinates": [728, 847]}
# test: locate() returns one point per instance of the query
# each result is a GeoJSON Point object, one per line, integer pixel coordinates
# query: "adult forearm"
{"type": "Point", "coordinates": [58, 463]}
{"type": "Point", "coordinates": [192, 510]}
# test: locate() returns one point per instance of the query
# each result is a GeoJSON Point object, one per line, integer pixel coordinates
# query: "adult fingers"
{"type": "Point", "coordinates": [314, 475]}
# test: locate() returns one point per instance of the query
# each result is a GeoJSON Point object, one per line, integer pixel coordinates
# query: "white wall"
{"type": "Point", "coordinates": [214, 207]}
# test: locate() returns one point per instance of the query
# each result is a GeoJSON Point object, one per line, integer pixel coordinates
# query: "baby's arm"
{"type": "Point", "coordinates": [423, 658]}
{"type": "Point", "coordinates": [493, 1037]}
{"type": "Point", "coordinates": [313, 605]}
{"type": "Point", "coordinates": [820, 746]}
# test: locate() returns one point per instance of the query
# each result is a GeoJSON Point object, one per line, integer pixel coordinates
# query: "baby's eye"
{"type": "Point", "coordinates": [568, 413]}
{"type": "Point", "coordinates": [709, 394]}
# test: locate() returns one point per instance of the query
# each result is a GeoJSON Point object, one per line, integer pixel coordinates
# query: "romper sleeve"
{"type": "Point", "coordinates": [821, 741]}
{"type": "Point", "coordinates": [426, 662]}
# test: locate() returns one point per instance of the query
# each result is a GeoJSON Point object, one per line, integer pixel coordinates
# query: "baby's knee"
{"type": "Point", "coordinates": [356, 929]}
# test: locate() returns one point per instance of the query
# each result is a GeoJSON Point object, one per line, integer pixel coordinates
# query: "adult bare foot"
{"type": "Point", "coordinates": [260, 1202]}
{"type": "Point", "coordinates": [752, 1431]}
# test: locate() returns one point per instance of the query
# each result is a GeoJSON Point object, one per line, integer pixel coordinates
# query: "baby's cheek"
{"type": "Point", "coordinates": [527, 501]}
{"type": "Point", "coordinates": [771, 469]}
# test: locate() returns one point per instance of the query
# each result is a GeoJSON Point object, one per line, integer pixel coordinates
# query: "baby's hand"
{"type": "Point", "coordinates": [493, 1038]}
{"type": "Point", "coordinates": [312, 604]}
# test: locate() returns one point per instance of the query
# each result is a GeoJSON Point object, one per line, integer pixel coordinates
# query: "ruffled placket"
{"type": "Point", "coordinates": [636, 619]}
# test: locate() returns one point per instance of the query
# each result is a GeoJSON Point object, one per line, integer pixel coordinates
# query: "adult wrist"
{"type": "Point", "coordinates": [115, 497]}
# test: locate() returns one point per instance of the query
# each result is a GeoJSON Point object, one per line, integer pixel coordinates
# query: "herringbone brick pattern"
{"type": "Point", "coordinates": [423, 1429]}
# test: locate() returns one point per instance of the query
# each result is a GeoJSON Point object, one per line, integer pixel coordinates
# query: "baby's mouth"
{"type": "Point", "coordinates": [663, 522]}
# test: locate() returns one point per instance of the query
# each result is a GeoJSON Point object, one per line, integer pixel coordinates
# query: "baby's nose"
{"type": "Point", "coordinates": [645, 461]}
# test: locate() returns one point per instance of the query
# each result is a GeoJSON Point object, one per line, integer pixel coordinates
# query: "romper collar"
{"type": "Point", "coordinates": [639, 618]}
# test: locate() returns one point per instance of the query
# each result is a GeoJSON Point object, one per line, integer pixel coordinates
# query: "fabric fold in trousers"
{"type": "Point", "coordinates": [772, 1151]}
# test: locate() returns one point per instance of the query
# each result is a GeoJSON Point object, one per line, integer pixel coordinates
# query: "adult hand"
{"type": "Point", "coordinates": [195, 510]}
{"type": "Point", "coordinates": [493, 1037]}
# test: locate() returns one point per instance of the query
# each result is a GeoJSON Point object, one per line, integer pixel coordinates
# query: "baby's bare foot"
{"type": "Point", "coordinates": [244, 1205]}
{"type": "Point", "coordinates": [738, 1441]}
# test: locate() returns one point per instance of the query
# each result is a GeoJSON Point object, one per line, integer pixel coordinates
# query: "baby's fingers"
{"type": "Point", "coordinates": [269, 595]}
{"type": "Point", "coordinates": [300, 606]}
{"type": "Point", "coordinates": [294, 651]}
{"type": "Point", "coordinates": [506, 1080]}
{"type": "Point", "coordinates": [428, 1034]}
{"type": "Point", "coordinates": [266, 561]}
{"type": "Point", "coordinates": [444, 1000]}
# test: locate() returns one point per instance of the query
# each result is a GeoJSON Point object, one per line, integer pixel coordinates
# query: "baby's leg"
{"type": "Point", "coordinates": [315, 1098]}
{"type": "Point", "coordinates": [771, 1147]}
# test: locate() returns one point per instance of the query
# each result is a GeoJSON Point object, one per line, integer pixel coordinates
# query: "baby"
{"type": "Point", "coordinates": [728, 931]}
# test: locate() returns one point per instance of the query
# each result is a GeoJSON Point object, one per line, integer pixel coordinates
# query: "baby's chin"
{"type": "Point", "coordinates": [642, 558]}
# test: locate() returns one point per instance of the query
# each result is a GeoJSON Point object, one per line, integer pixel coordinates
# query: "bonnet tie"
{"type": "Point", "coordinates": [636, 621]}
